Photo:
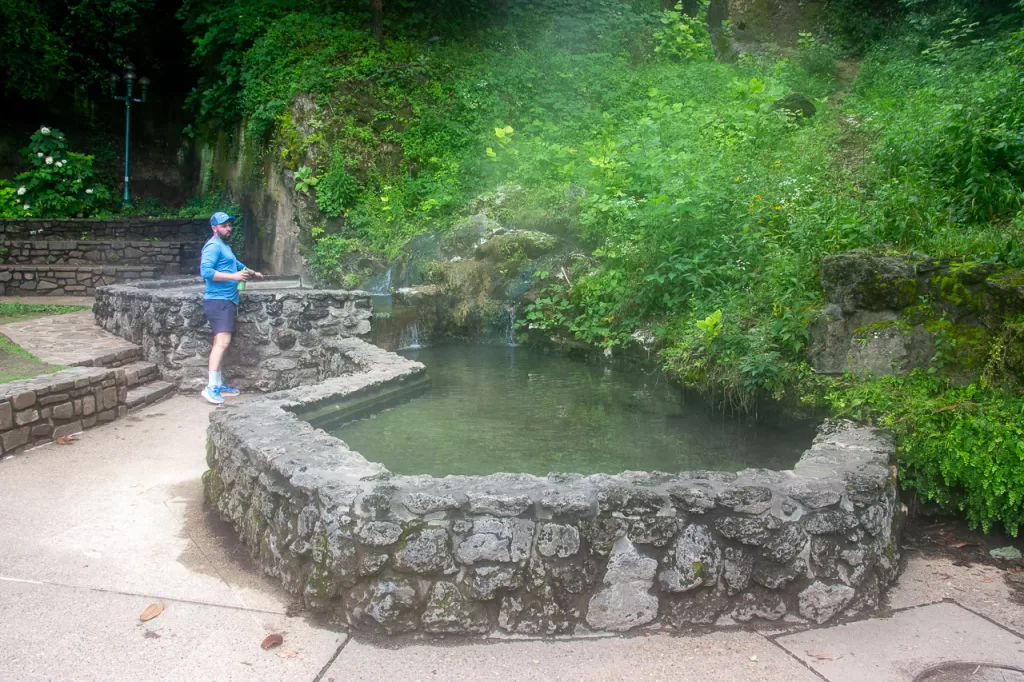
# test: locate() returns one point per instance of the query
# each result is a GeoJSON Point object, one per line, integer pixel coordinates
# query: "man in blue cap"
{"type": "Point", "coordinates": [222, 272]}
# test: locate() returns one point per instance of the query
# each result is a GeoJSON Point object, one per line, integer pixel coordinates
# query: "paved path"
{"type": "Point", "coordinates": [94, 532]}
{"type": "Point", "coordinates": [71, 339]}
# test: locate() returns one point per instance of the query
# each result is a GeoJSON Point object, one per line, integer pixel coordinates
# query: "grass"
{"type": "Point", "coordinates": [17, 363]}
{"type": "Point", "coordinates": [19, 312]}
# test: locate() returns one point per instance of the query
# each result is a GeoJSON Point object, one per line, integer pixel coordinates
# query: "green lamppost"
{"type": "Point", "coordinates": [129, 81]}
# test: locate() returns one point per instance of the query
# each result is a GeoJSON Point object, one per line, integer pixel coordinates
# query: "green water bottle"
{"type": "Point", "coordinates": [241, 283]}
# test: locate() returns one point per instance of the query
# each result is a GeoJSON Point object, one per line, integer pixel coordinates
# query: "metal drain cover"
{"type": "Point", "coordinates": [961, 671]}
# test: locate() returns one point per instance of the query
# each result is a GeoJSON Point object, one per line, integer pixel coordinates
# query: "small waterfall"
{"type": "Point", "coordinates": [410, 339]}
{"type": "Point", "coordinates": [383, 286]}
{"type": "Point", "coordinates": [510, 335]}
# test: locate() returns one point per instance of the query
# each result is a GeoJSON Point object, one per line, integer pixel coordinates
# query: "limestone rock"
{"type": "Point", "coordinates": [485, 581]}
{"type": "Point", "coordinates": [391, 605]}
{"type": "Point", "coordinates": [813, 493]}
{"type": "Point", "coordinates": [657, 531]}
{"type": "Point", "coordinates": [862, 281]}
{"type": "Point", "coordinates": [558, 540]}
{"type": "Point", "coordinates": [737, 567]}
{"type": "Point", "coordinates": [759, 603]}
{"type": "Point", "coordinates": [424, 503]}
{"type": "Point", "coordinates": [483, 547]}
{"type": "Point", "coordinates": [785, 544]}
{"type": "Point", "coordinates": [449, 611]}
{"type": "Point", "coordinates": [533, 613]}
{"type": "Point", "coordinates": [568, 501]}
{"type": "Point", "coordinates": [773, 576]}
{"type": "Point", "coordinates": [695, 561]}
{"type": "Point", "coordinates": [625, 600]}
{"type": "Point", "coordinates": [832, 521]}
{"type": "Point", "coordinates": [820, 602]}
{"type": "Point", "coordinates": [498, 505]}
{"type": "Point", "coordinates": [748, 499]}
{"type": "Point", "coordinates": [699, 607]}
{"type": "Point", "coordinates": [425, 552]}
{"type": "Point", "coordinates": [602, 532]}
{"type": "Point", "coordinates": [621, 607]}
{"type": "Point", "coordinates": [380, 533]}
{"type": "Point", "coordinates": [750, 530]}
{"type": "Point", "coordinates": [696, 499]}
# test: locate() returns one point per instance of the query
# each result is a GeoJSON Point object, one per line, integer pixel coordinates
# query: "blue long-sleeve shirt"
{"type": "Point", "coordinates": [218, 257]}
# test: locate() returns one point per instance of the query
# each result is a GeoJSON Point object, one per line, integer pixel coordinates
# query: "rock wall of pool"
{"type": "Point", "coordinates": [564, 553]}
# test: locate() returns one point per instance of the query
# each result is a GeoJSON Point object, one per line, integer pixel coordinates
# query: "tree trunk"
{"type": "Point", "coordinates": [378, 21]}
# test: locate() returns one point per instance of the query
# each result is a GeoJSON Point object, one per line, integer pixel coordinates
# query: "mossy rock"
{"type": "Point", "coordinates": [516, 246]}
{"type": "Point", "coordinates": [859, 281]}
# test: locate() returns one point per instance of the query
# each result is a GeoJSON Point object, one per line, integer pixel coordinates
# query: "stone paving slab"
{"type": "Point", "coordinates": [717, 657]}
{"type": "Point", "coordinates": [982, 588]}
{"type": "Point", "coordinates": [68, 633]}
{"type": "Point", "coordinates": [71, 339]}
{"type": "Point", "coordinates": [897, 649]}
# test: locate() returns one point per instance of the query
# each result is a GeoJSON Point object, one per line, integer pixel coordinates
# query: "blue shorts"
{"type": "Point", "coordinates": [221, 314]}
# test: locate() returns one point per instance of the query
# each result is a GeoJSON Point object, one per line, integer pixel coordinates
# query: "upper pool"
{"type": "Point", "coordinates": [491, 409]}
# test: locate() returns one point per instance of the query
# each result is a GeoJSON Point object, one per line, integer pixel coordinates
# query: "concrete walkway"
{"type": "Point", "coordinates": [96, 531]}
{"type": "Point", "coordinates": [71, 339]}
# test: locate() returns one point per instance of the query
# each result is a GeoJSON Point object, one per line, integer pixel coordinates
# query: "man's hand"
{"type": "Point", "coordinates": [259, 275]}
{"type": "Point", "coordinates": [242, 276]}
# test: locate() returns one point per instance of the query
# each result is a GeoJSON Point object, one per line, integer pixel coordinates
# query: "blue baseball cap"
{"type": "Point", "coordinates": [219, 218]}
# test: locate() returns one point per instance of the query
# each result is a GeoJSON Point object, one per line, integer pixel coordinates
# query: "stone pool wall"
{"type": "Point", "coordinates": [279, 342]}
{"type": "Point", "coordinates": [561, 554]}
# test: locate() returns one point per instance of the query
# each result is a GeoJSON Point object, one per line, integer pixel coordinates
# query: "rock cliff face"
{"type": "Point", "coordinates": [890, 315]}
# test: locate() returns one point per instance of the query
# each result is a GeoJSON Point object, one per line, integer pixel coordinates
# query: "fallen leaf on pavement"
{"type": "Point", "coordinates": [824, 655]}
{"type": "Point", "coordinates": [287, 653]}
{"type": "Point", "coordinates": [272, 640]}
{"type": "Point", "coordinates": [67, 440]}
{"type": "Point", "coordinates": [152, 611]}
{"type": "Point", "coordinates": [753, 658]}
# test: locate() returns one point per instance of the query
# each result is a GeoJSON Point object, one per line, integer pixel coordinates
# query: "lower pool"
{"type": "Point", "coordinates": [496, 409]}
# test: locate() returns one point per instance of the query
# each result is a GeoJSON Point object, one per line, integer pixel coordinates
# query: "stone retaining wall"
{"type": "Point", "coordinates": [278, 342]}
{"type": "Point", "coordinates": [35, 411]}
{"type": "Point", "coordinates": [533, 555]}
{"type": "Point", "coordinates": [170, 229]}
{"type": "Point", "coordinates": [166, 257]}
{"type": "Point", "coordinates": [67, 280]}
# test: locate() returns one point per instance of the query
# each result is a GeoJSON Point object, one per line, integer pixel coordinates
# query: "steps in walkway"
{"type": "Point", "coordinates": [145, 386]}
{"type": "Point", "coordinates": [140, 372]}
{"type": "Point", "coordinates": [146, 394]}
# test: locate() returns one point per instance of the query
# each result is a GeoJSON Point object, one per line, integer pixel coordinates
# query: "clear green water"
{"type": "Point", "coordinates": [492, 409]}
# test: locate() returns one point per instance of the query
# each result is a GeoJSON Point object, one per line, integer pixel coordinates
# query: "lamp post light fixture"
{"type": "Point", "coordinates": [130, 79]}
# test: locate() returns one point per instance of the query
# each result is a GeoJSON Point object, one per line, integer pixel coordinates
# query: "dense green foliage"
{"type": "Point", "coordinates": [45, 44]}
{"type": "Point", "coordinates": [961, 448]}
{"type": "Point", "coordinates": [697, 202]}
{"type": "Point", "coordinates": [58, 183]}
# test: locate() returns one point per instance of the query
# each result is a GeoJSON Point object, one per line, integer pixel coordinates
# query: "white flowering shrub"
{"type": "Point", "coordinates": [58, 184]}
